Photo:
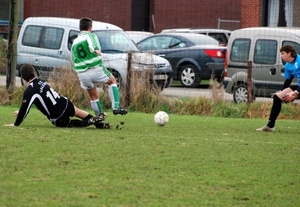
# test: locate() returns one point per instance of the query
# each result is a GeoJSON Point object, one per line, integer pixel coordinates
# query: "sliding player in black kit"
{"type": "Point", "coordinates": [57, 108]}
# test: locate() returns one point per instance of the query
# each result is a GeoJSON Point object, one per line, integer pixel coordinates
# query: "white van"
{"type": "Point", "coordinates": [261, 46]}
{"type": "Point", "coordinates": [45, 42]}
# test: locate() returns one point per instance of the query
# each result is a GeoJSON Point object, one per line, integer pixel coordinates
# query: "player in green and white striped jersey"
{"type": "Point", "coordinates": [86, 54]}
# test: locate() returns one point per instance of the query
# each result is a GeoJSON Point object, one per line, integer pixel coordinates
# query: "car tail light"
{"type": "Point", "coordinates": [215, 53]}
{"type": "Point", "coordinates": [226, 64]}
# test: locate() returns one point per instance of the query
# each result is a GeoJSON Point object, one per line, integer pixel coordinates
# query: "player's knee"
{"type": "Point", "coordinates": [276, 99]}
{"type": "Point", "coordinates": [111, 80]}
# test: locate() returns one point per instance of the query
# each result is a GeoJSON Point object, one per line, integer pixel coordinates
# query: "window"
{"type": "Point", "coordinates": [156, 43]}
{"type": "Point", "coordinates": [280, 13]}
{"type": "Point", "coordinates": [148, 44]}
{"type": "Point", "coordinates": [240, 50]}
{"type": "Point", "coordinates": [265, 52]}
{"type": "Point", "coordinates": [32, 36]}
{"type": "Point", "coordinates": [295, 44]}
{"type": "Point", "coordinates": [52, 38]}
{"type": "Point", "coordinates": [72, 36]}
{"type": "Point", "coordinates": [115, 41]}
{"type": "Point", "coordinates": [44, 37]}
{"type": "Point", "coordinates": [221, 37]}
{"type": "Point", "coordinates": [163, 42]}
{"type": "Point", "coordinates": [177, 43]}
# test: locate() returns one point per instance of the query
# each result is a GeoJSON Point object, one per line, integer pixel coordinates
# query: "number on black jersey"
{"type": "Point", "coordinates": [52, 96]}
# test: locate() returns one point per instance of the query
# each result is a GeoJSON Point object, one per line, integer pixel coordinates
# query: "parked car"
{"type": "Point", "coordinates": [221, 35]}
{"type": "Point", "coordinates": [259, 46]}
{"type": "Point", "coordinates": [45, 43]}
{"type": "Point", "coordinates": [189, 54]}
{"type": "Point", "coordinates": [137, 36]}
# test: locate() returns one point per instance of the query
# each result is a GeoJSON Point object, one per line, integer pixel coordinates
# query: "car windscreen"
{"type": "Point", "coordinates": [115, 41]}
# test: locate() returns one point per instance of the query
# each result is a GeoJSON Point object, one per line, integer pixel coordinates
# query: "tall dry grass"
{"type": "Point", "coordinates": [147, 97]}
{"type": "Point", "coordinates": [65, 81]}
{"type": "Point", "coordinates": [14, 99]}
{"type": "Point", "coordinates": [144, 93]}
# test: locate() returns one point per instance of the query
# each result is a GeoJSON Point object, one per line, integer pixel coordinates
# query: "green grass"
{"type": "Point", "coordinates": [192, 161]}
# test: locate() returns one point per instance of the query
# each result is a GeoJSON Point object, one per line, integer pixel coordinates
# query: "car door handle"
{"type": "Point", "coordinates": [161, 55]}
{"type": "Point", "coordinates": [272, 71]}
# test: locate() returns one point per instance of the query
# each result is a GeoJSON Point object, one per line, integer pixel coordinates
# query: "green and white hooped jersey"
{"type": "Point", "coordinates": [83, 53]}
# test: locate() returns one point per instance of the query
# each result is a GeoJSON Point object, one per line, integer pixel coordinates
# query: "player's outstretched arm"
{"type": "Point", "coordinates": [15, 114]}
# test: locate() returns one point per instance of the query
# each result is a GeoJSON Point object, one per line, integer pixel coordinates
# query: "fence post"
{"type": "Point", "coordinates": [128, 80]}
{"type": "Point", "coordinates": [12, 47]}
{"type": "Point", "coordinates": [249, 82]}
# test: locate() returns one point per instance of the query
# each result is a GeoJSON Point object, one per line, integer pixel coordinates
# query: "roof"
{"type": "Point", "coordinates": [269, 30]}
{"type": "Point", "coordinates": [187, 35]}
{"type": "Point", "coordinates": [68, 22]}
{"type": "Point", "coordinates": [139, 32]}
{"type": "Point", "coordinates": [195, 30]}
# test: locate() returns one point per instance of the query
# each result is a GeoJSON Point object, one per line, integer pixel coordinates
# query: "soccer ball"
{"type": "Point", "coordinates": [161, 118]}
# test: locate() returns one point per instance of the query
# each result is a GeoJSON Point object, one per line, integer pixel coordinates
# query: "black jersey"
{"type": "Point", "coordinates": [48, 101]}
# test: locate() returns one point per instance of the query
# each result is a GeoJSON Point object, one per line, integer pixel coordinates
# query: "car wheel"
{"type": "Point", "coordinates": [189, 76]}
{"type": "Point", "coordinates": [240, 93]}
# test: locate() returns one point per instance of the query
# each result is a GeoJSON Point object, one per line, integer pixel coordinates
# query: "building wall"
{"type": "Point", "coordinates": [196, 14]}
{"type": "Point", "coordinates": [4, 16]}
{"type": "Point", "coordinates": [166, 14]}
{"type": "Point", "coordinates": [296, 13]}
{"type": "Point", "coordinates": [250, 13]}
{"type": "Point", "coordinates": [5, 9]}
{"type": "Point", "coordinates": [163, 14]}
{"type": "Point", "coordinates": [112, 11]}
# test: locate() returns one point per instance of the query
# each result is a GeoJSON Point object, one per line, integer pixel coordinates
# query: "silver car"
{"type": "Point", "coordinates": [45, 42]}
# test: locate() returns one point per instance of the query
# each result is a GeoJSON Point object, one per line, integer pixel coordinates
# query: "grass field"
{"type": "Point", "coordinates": [177, 82]}
{"type": "Point", "coordinates": [192, 161]}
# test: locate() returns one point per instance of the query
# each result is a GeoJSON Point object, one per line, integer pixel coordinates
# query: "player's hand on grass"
{"type": "Point", "coordinates": [9, 125]}
{"type": "Point", "coordinates": [16, 113]}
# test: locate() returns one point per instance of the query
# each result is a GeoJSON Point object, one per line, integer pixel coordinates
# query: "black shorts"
{"type": "Point", "coordinates": [64, 120]}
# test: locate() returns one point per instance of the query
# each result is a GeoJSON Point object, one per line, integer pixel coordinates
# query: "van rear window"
{"type": "Point", "coordinates": [240, 50]}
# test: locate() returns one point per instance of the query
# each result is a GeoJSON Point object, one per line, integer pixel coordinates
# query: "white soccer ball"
{"type": "Point", "coordinates": [161, 118]}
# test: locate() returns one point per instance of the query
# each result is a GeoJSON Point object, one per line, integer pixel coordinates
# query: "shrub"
{"type": "Point", "coordinates": [3, 58]}
{"type": "Point", "coordinates": [11, 99]}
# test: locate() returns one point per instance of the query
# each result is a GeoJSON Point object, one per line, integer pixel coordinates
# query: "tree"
{"type": "Point", "coordinates": [12, 47]}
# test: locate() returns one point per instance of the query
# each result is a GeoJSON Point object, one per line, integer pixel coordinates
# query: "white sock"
{"type": "Point", "coordinates": [114, 96]}
{"type": "Point", "coordinates": [96, 106]}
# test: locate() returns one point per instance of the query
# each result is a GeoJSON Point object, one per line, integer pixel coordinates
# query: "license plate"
{"type": "Point", "coordinates": [160, 77]}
